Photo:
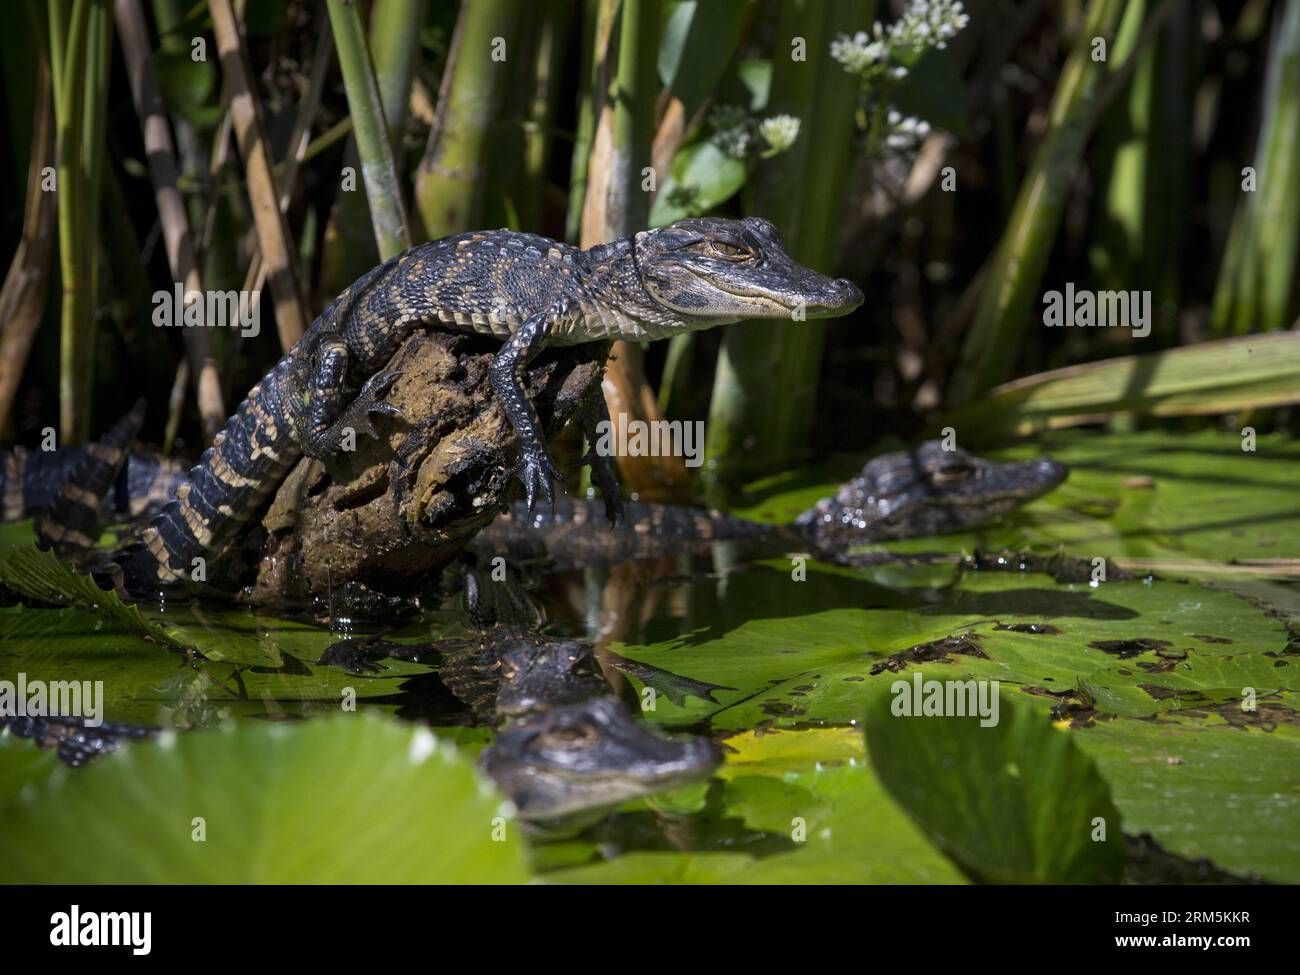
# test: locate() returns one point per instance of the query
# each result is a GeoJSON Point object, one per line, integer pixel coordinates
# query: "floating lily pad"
{"type": "Point", "coordinates": [330, 801]}
{"type": "Point", "coordinates": [826, 820]}
{"type": "Point", "coordinates": [23, 766]}
{"type": "Point", "coordinates": [1087, 655]}
{"type": "Point", "coordinates": [1013, 799]}
{"type": "Point", "coordinates": [1187, 642]}
{"type": "Point", "coordinates": [42, 576]}
{"type": "Point", "coordinates": [1203, 788]}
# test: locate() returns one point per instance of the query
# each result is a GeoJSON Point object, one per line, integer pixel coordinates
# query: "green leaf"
{"type": "Point", "coordinates": [812, 812]}
{"type": "Point", "coordinates": [15, 534]}
{"type": "Point", "coordinates": [23, 765]}
{"type": "Point", "coordinates": [251, 664]}
{"type": "Point", "coordinates": [756, 75]}
{"type": "Point", "coordinates": [346, 800]}
{"type": "Point", "coordinates": [696, 45]}
{"type": "Point", "coordinates": [1149, 497]}
{"type": "Point", "coordinates": [1208, 789]}
{"type": "Point", "coordinates": [700, 177]}
{"type": "Point", "coordinates": [187, 85]}
{"type": "Point", "coordinates": [1205, 644]}
{"type": "Point", "coordinates": [1014, 802]}
{"type": "Point", "coordinates": [44, 577]}
{"type": "Point", "coordinates": [1221, 376]}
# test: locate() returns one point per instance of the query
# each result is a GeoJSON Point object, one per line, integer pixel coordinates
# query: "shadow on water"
{"type": "Point", "coordinates": [695, 609]}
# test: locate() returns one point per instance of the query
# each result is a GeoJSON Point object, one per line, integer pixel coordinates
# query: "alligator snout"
{"type": "Point", "coordinates": [1051, 472]}
{"type": "Point", "coordinates": [839, 298]}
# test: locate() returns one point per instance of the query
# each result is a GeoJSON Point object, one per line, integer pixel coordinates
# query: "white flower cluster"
{"type": "Point", "coordinates": [861, 51]}
{"type": "Point", "coordinates": [734, 132]}
{"type": "Point", "coordinates": [904, 130]}
{"type": "Point", "coordinates": [779, 131]}
{"type": "Point", "coordinates": [923, 24]}
{"type": "Point", "coordinates": [930, 23]}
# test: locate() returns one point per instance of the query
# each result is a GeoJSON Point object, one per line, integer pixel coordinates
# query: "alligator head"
{"type": "Point", "coordinates": [580, 757]}
{"type": "Point", "coordinates": [926, 491]}
{"type": "Point", "coordinates": [711, 271]}
{"type": "Point", "coordinates": [539, 672]}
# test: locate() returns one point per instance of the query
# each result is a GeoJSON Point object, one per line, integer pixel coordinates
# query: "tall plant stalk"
{"type": "Point", "coordinates": [378, 165]}
{"type": "Point", "coordinates": [1012, 286]}
{"type": "Point", "coordinates": [616, 203]}
{"type": "Point", "coordinates": [452, 173]}
{"type": "Point", "coordinates": [273, 239]}
{"type": "Point", "coordinates": [765, 389]}
{"type": "Point", "coordinates": [1256, 289]}
{"type": "Point", "coordinates": [594, 18]}
{"type": "Point", "coordinates": [22, 300]}
{"type": "Point", "coordinates": [68, 39]}
{"type": "Point", "coordinates": [1140, 163]}
{"type": "Point", "coordinates": [177, 239]}
{"type": "Point", "coordinates": [352, 243]}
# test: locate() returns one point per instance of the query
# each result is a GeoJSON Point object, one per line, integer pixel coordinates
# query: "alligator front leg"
{"type": "Point", "coordinates": [604, 471]}
{"type": "Point", "coordinates": [535, 468]}
{"type": "Point", "coordinates": [327, 425]}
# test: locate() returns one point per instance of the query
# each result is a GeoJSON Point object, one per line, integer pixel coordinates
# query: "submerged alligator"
{"type": "Point", "coordinates": [564, 744]}
{"type": "Point", "coordinates": [927, 490]}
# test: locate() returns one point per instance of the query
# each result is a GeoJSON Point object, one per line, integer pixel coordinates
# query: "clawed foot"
{"type": "Point", "coordinates": [605, 476]}
{"type": "Point", "coordinates": [537, 472]}
{"type": "Point", "coordinates": [360, 412]}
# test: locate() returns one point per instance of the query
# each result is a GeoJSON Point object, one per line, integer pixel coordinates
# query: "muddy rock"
{"type": "Point", "coordinates": [376, 525]}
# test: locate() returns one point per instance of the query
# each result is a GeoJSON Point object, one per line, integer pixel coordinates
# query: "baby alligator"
{"type": "Point", "coordinates": [928, 490]}
{"type": "Point", "coordinates": [528, 291]}
{"type": "Point", "coordinates": [564, 745]}
{"type": "Point", "coordinates": [903, 494]}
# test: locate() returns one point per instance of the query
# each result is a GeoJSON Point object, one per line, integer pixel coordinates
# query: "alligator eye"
{"type": "Point", "coordinates": [569, 736]}
{"type": "Point", "coordinates": [729, 252]}
{"type": "Point", "coordinates": [951, 473]}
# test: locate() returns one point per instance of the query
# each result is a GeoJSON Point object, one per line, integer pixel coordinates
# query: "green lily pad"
{"type": "Point", "coordinates": [248, 665]}
{"type": "Point", "coordinates": [44, 577]}
{"type": "Point", "coordinates": [23, 766]}
{"type": "Point", "coordinates": [1090, 656]}
{"type": "Point", "coordinates": [1193, 497]}
{"type": "Point", "coordinates": [330, 801]}
{"type": "Point", "coordinates": [811, 800]}
{"type": "Point", "coordinates": [1205, 789]}
{"type": "Point", "coordinates": [1013, 801]}
{"type": "Point", "coordinates": [1145, 646]}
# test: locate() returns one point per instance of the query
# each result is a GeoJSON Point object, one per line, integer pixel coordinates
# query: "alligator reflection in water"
{"type": "Point", "coordinates": [564, 744]}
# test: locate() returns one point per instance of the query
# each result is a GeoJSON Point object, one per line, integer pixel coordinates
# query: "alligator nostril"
{"type": "Point", "coordinates": [848, 290]}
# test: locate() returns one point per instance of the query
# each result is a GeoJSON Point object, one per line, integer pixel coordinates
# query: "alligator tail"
{"type": "Point", "coordinates": [70, 525]}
